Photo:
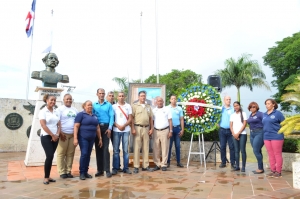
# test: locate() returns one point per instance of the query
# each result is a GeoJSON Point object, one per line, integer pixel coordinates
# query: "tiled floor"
{"type": "Point", "coordinates": [19, 181]}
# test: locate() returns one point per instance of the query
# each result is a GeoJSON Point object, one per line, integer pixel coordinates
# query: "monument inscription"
{"type": "Point", "coordinates": [13, 121]}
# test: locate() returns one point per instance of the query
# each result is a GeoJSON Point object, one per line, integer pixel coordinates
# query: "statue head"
{"type": "Point", "coordinates": [51, 60]}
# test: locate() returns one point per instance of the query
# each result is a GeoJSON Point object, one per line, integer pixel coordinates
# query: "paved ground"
{"type": "Point", "coordinates": [19, 181]}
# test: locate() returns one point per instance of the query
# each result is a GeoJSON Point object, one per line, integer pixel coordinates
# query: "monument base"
{"type": "Point", "coordinates": [35, 154]}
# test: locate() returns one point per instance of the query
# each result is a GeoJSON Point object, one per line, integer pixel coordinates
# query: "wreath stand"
{"type": "Point", "coordinates": [201, 151]}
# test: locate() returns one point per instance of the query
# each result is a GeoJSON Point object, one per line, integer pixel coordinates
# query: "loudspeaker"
{"type": "Point", "coordinates": [215, 81]}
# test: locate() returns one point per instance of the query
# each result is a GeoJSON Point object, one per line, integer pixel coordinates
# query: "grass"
{"type": "Point", "coordinates": [250, 155]}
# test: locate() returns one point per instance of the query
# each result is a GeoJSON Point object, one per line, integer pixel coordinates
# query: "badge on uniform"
{"type": "Point", "coordinates": [121, 115]}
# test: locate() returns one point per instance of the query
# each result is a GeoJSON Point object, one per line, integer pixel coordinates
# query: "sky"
{"type": "Point", "coordinates": [97, 40]}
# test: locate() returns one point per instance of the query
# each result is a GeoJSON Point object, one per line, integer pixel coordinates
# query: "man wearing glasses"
{"type": "Point", "coordinates": [123, 118]}
{"type": "Point", "coordinates": [105, 114]}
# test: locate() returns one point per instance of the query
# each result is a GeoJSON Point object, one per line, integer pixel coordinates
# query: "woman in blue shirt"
{"type": "Point", "coordinates": [85, 129]}
{"type": "Point", "coordinates": [273, 141]}
{"type": "Point", "coordinates": [256, 134]}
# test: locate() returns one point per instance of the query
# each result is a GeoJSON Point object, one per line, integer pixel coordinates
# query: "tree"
{"type": "Point", "coordinates": [123, 83]}
{"type": "Point", "coordinates": [176, 80]}
{"type": "Point", "coordinates": [292, 123]}
{"type": "Point", "coordinates": [284, 60]}
{"type": "Point", "coordinates": [242, 72]}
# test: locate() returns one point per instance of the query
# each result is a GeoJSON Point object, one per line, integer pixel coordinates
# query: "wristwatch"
{"type": "Point", "coordinates": [171, 131]}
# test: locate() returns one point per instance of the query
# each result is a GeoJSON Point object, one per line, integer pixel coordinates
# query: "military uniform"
{"type": "Point", "coordinates": [142, 113]}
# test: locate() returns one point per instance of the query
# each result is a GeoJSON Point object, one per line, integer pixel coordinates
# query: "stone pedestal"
{"type": "Point", "coordinates": [296, 175]}
{"type": "Point", "coordinates": [35, 154]}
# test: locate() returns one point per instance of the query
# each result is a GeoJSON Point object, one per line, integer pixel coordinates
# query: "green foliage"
{"type": "Point", "coordinates": [124, 84]}
{"type": "Point", "coordinates": [291, 145]}
{"type": "Point", "coordinates": [212, 136]}
{"type": "Point", "coordinates": [242, 72]}
{"type": "Point", "coordinates": [176, 80]}
{"type": "Point", "coordinates": [284, 60]}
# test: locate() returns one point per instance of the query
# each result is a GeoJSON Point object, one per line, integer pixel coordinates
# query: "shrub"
{"type": "Point", "coordinates": [291, 145]}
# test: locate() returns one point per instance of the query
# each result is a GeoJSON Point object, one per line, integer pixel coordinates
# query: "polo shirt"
{"type": "Point", "coordinates": [237, 124]}
{"type": "Point", "coordinates": [52, 118]}
{"type": "Point", "coordinates": [161, 117]}
{"type": "Point", "coordinates": [177, 113]}
{"type": "Point", "coordinates": [225, 117]}
{"type": "Point", "coordinates": [255, 121]}
{"type": "Point", "coordinates": [67, 117]}
{"type": "Point", "coordinates": [120, 118]}
{"type": "Point", "coordinates": [271, 124]}
{"type": "Point", "coordinates": [88, 125]}
{"type": "Point", "coordinates": [104, 113]}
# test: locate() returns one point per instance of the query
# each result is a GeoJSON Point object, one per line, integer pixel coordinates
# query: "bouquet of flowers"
{"type": "Point", "coordinates": [199, 118]}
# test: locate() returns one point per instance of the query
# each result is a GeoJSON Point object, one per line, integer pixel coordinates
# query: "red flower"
{"type": "Point", "coordinates": [195, 111]}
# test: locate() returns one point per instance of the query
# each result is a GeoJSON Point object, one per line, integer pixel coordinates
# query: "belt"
{"type": "Point", "coordinates": [176, 126]}
{"type": "Point", "coordinates": [141, 125]}
{"type": "Point", "coordinates": [103, 124]}
{"type": "Point", "coordinates": [256, 130]}
{"type": "Point", "coordinates": [161, 129]}
{"type": "Point", "coordinates": [224, 128]}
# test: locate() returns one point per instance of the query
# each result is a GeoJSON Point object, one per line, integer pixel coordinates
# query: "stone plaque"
{"type": "Point", "coordinates": [13, 121]}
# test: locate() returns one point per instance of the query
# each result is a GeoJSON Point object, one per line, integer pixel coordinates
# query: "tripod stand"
{"type": "Point", "coordinates": [214, 147]}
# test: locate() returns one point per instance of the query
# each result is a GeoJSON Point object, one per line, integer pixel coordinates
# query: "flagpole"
{"type": "Point", "coordinates": [30, 55]}
{"type": "Point", "coordinates": [156, 28]}
{"type": "Point", "coordinates": [141, 49]}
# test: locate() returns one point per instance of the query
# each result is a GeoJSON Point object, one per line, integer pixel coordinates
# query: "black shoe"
{"type": "Point", "coordinates": [64, 176]}
{"type": "Point", "coordinates": [69, 175]}
{"type": "Point", "coordinates": [120, 169]}
{"type": "Point", "coordinates": [156, 168]}
{"type": "Point", "coordinates": [46, 182]}
{"type": "Point", "coordinates": [108, 174]}
{"type": "Point", "coordinates": [168, 165]}
{"type": "Point", "coordinates": [236, 169]}
{"type": "Point", "coordinates": [88, 175]}
{"type": "Point", "coordinates": [164, 168]}
{"type": "Point", "coordinates": [51, 180]}
{"type": "Point", "coordinates": [114, 172]}
{"type": "Point", "coordinates": [232, 166]}
{"type": "Point", "coordinates": [243, 170]}
{"type": "Point", "coordinates": [127, 171]}
{"type": "Point", "coordinates": [99, 173]}
{"type": "Point", "coordinates": [135, 170]}
{"type": "Point", "coordinates": [260, 172]}
{"type": "Point", "coordinates": [222, 165]}
{"type": "Point", "coordinates": [82, 176]}
{"type": "Point", "coordinates": [180, 165]}
{"type": "Point", "coordinates": [147, 169]}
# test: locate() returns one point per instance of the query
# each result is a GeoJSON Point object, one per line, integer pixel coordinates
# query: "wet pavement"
{"type": "Point", "coordinates": [18, 181]}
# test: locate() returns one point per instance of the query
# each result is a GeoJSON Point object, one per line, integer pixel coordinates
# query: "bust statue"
{"type": "Point", "coordinates": [49, 77]}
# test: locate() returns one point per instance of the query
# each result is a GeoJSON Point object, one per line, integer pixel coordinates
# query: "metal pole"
{"type": "Point", "coordinates": [141, 50]}
{"type": "Point", "coordinates": [157, 58]}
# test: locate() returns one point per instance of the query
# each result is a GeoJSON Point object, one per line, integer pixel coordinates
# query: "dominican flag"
{"type": "Point", "coordinates": [29, 19]}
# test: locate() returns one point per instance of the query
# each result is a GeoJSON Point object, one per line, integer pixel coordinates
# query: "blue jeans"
{"type": "Point", "coordinates": [257, 142]}
{"type": "Point", "coordinates": [86, 146]}
{"type": "Point", "coordinates": [175, 137]}
{"type": "Point", "coordinates": [116, 148]}
{"type": "Point", "coordinates": [240, 146]}
{"type": "Point", "coordinates": [226, 136]}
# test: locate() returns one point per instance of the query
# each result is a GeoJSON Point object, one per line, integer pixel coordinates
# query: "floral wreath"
{"type": "Point", "coordinates": [200, 119]}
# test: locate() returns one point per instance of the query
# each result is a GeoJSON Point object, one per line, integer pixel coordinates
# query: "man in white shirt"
{"type": "Point", "coordinates": [162, 117]}
{"type": "Point", "coordinates": [121, 129]}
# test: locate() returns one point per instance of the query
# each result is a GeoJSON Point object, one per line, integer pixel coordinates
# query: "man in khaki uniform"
{"type": "Point", "coordinates": [162, 133]}
{"type": "Point", "coordinates": [142, 128]}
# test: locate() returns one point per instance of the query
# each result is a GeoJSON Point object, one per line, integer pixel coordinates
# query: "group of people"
{"type": "Point", "coordinates": [264, 129]}
{"type": "Point", "coordinates": [64, 128]}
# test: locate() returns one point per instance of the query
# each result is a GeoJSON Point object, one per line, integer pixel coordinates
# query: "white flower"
{"type": "Point", "coordinates": [184, 99]}
{"type": "Point", "coordinates": [204, 94]}
{"type": "Point", "coordinates": [202, 121]}
{"type": "Point", "coordinates": [197, 121]}
{"type": "Point", "coordinates": [199, 93]}
{"type": "Point", "coordinates": [193, 121]}
{"type": "Point", "coordinates": [207, 119]}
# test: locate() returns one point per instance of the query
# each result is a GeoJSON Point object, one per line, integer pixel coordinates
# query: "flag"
{"type": "Point", "coordinates": [29, 19]}
{"type": "Point", "coordinates": [48, 49]}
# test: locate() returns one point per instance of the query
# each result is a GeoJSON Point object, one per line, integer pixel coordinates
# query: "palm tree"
{"type": "Point", "coordinates": [242, 72]}
{"type": "Point", "coordinates": [123, 83]}
{"type": "Point", "coordinates": [291, 124]}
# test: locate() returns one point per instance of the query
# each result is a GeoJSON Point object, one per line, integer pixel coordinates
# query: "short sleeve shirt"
{"type": "Point", "coordinates": [237, 124]}
{"type": "Point", "coordinates": [67, 117]}
{"type": "Point", "coordinates": [225, 117]}
{"type": "Point", "coordinates": [177, 113]}
{"type": "Point", "coordinates": [52, 118]}
{"type": "Point", "coordinates": [255, 121]}
{"type": "Point", "coordinates": [88, 125]}
{"type": "Point", "coordinates": [120, 117]}
{"type": "Point", "coordinates": [161, 117]}
{"type": "Point", "coordinates": [141, 113]}
{"type": "Point", "coordinates": [272, 125]}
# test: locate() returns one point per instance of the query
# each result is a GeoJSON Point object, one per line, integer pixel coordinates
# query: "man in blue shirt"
{"type": "Point", "coordinates": [225, 134]}
{"type": "Point", "coordinates": [178, 129]}
{"type": "Point", "coordinates": [105, 114]}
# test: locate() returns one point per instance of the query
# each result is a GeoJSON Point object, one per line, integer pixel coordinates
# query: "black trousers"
{"type": "Point", "coordinates": [49, 148]}
{"type": "Point", "coordinates": [102, 154]}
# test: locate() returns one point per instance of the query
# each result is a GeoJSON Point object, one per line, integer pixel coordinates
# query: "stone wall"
{"type": "Point", "coordinates": [16, 140]}
{"type": "Point", "coordinates": [288, 159]}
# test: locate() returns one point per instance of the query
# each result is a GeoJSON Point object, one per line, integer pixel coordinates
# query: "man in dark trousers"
{"type": "Point", "coordinates": [105, 114]}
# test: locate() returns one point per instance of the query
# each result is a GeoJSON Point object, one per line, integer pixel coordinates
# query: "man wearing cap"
{"type": "Point", "coordinates": [162, 132]}
{"type": "Point", "coordinates": [141, 129]}
{"type": "Point", "coordinates": [105, 114]}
